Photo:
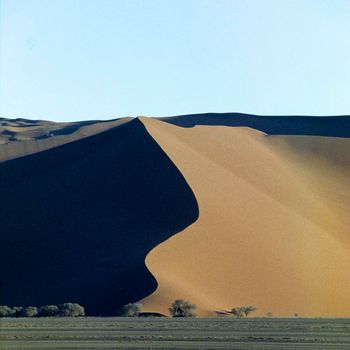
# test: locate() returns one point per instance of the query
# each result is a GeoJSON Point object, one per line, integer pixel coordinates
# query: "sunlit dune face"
{"type": "Point", "coordinates": [273, 229]}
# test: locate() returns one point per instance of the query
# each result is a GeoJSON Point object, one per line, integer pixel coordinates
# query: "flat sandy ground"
{"type": "Point", "coordinates": [166, 333]}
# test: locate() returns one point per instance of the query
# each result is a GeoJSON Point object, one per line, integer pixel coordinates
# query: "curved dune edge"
{"type": "Point", "coordinates": [82, 217]}
{"type": "Point", "coordinates": [272, 231]}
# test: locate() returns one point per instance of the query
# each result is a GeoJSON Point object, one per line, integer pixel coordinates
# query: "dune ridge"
{"type": "Point", "coordinates": [334, 126]}
{"type": "Point", "coordinates": [78, 220]}
{"type": "Point", "coordinates": [221, 209]}
{"type": "Point", "coordinates": [268, 233]}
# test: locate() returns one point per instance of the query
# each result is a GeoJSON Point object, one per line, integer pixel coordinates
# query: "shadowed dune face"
{"type": "Point", "coordinates": [273, 229]}
{"type": "Point", "coordinates": [21, 137]}
{"type": "Point", "coordinates": [78, 220]}
{"type": "Point", "coordinates": [337, 126]}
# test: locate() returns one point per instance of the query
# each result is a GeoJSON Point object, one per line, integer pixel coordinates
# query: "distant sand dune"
{"type": "Point", "coordinates": [21, 137]}
{"type": "Point", "coordinates": [336, 126]}
{"type": "Point", "coordinates": [273, 229]}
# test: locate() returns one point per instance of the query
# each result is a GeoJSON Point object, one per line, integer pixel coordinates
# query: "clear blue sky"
{"type": "Point", "coordinates": [101, 59]}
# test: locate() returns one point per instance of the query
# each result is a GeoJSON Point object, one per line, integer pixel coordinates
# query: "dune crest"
{"type": "Point", "coordinates": [78, 220]}
{"type": "Point", "coordinates": [273, 229]}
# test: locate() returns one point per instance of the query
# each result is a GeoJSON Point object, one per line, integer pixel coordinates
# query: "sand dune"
{"type": "Point", "coordinates": [273, 229]}
{"type": "Point", "coordinates": [224, 210]}
{"type": "Point", "coordinates": [78, 220]}
{"type": "Point", "coordinates": [21, 137]}
{"type": "Point", "coordinates": [337, 126]}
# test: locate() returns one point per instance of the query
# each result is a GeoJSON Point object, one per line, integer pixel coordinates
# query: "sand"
{"type": "Point", "coordinates": [22, 137]}
{"type": "Point", "coordinates": [273, 229]}
{"type": "Point", "coordinates": [78, 220]}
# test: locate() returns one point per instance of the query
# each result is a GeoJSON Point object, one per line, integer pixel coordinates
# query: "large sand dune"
{"type": "Point", "coordinates": [223, 209]}
{"type": "Point", "coordinates": [78, 220]}
{"type": "Point", "coordinates": [273, 229]}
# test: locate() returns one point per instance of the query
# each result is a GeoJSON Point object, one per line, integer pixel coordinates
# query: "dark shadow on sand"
{"type": "Point", "coordinates": [337, 126]}
{"type": "Point", "coordinates": [77, 221]}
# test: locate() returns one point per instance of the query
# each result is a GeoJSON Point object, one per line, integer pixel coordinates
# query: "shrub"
{"type": "Point", "coordinates": [71, 310]}
{"type": "Point", "coordinates": [248, 310]}
{"type": "Point", "coordinates": [132, 310]}
{"type": "Point", "coordinates": [242, 311]}
{"type": "Point", "coordinates": [6, 311]}
{"type": "Point", "coordinates": [237, 311]}
{"type": "Point", "coordinates": [30, 311]}
{"type": "Point", "coordinates": [48, 310]}
{"type": "Point", "coordinates": [182, 308]}
{"type": "Point", "coordinates": [67, 309]}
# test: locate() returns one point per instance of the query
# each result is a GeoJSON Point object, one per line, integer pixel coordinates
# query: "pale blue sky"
{"type": "Point", "coordinates": [101, 59]}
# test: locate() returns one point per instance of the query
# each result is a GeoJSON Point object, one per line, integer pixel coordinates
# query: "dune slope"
{"type": "Point", "coordinates": [273, 229]}
{"type": "Point", "coordinates": [20, 137]}
{"type": "Point", "coordinates": [78, 220]}
{"type": "Point", "coordinates": [84, 204]}
{"type": "Point", "coordinates": [338, 126]}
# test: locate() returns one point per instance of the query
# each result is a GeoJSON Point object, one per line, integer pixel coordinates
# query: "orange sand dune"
{"type": "Point", "coordinates": [273, 229]}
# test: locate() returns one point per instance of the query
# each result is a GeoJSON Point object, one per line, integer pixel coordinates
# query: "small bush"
{"type": "Point", "coordinates": [67, 309]}
{"type": "Point", "coordinates": [6, 311]}
{"type": "Point", "coordinates": [48, 311]}
{"type": "Point", "coordinates": [132, 310]}
{"type": "Point", "coordinates": [242, 311]}
{"type": "Point", "coordinates": [30, 311]}
{"type": "Point", "coordinates": [71, 310]}
{"type": "Point", "coordinates": [237, 311]}
{"type": "Point", "coordinates": [248, 310]}
{"type": "Point", "coordinates": [182, 308]}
